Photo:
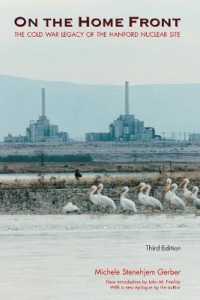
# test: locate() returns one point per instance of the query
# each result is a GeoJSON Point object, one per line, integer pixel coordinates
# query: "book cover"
{"type": "Point", "coordinates": [99, 150]}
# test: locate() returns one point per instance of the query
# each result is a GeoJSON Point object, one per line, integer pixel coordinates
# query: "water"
{"type": "Point", "coordinates": [54, 257]}
{"type": "Point", "coordinates": [31, 176]}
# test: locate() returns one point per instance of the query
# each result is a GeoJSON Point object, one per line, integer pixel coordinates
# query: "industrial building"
{"type": "Point", "coordinates": [125, 128]}
{"type": "Point", "coordinates": [194, 137]}
{"type": "Point", "coordinates": [40, 131]}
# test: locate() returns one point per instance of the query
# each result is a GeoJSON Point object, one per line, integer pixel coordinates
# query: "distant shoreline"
{"type": "Point", "coordinates": [100, 167]}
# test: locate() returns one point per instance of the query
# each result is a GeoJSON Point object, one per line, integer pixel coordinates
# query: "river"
{"type": "Point", "coordinates": [33, 176]}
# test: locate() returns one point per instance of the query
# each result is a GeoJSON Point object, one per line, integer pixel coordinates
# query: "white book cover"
{"type": "Point", "coordinates": [99, 150]}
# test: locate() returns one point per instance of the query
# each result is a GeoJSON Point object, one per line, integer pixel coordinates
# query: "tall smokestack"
{"type": "Point", "coordinates": [127, 108]}
{"type": "Point", "coordinates": [43, 102]}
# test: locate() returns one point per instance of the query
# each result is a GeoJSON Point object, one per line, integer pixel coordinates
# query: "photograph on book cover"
{"type": "Point", "coordinates": [99, 150]}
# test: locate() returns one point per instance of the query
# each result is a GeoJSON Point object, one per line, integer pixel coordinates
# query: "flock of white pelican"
{"type": "Point", "coordinates": [169, 199]}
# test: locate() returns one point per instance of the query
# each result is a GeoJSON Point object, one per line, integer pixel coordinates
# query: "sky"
{"type": "Point", "coordinates": [104, 61]}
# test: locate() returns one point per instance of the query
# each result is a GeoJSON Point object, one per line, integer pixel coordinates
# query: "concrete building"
{"type": "Point", "coordinates": [126, 127]}
{"type": "Point", "coordinates": [194, 137]}
{"type": "Point", "coordinates": [40, 131]}
{"type": "Point", "coordinates": [98, 136]}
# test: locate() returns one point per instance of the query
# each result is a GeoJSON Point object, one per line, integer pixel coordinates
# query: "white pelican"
{"type": "Point", "coordinates": [196, 200]}
{"type": "Point", "coordinates": [125, 203]}
{"type": "Point", "coordinates": [168, 184]}
{"type": "Point", "coordinates": [141, 195]}
{"type": "Point", "coordinates": [70, 208]}
{"type": "Point", "coordinates": [187, 195]}
{"type": "Point", "coordinates": [144, 199]}
{"type": "Point", "coordinates": [94, 198]}
{"type": "Point", "coordinates": [174, 200]}
{"type": "Point", "coordinates": [104, 201]}
{"type": "Point", "coordinates": [155, 203]}
{"type": "Point", "coordinates": [167, 191]}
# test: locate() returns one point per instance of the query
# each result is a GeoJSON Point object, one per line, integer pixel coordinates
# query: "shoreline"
{"type": "Point", "coordinates": [45, 181]}
{"type": "Point", "coordinates": [101, 167]}
{"type": "Point", "coordinates": [49, 196]}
